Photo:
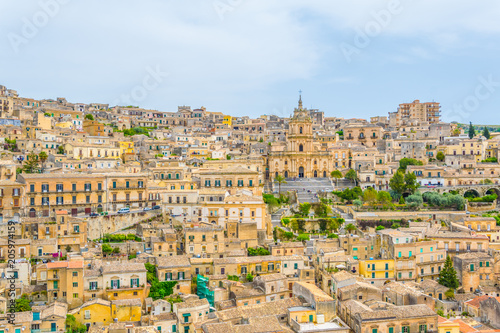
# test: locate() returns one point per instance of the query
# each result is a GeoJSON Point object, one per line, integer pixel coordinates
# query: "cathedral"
{"type": "Point", "coordinates": [300, 156]}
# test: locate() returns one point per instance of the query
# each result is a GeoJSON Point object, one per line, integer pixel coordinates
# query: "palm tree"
{"type": "Point", "coordinates": [280, 180]}
{"type": "Point", "coordinates": [350, 227]}
{"type": "Point", "coordinates": [336, 174]}
{"type": "Point", "coordinates": [42, 157]}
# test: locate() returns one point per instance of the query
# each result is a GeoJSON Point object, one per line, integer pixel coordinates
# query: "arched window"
{"type": "Point", "coordinates": [286, 174]}
{"type": "Point", "coordinates": [301, 148]}
{"type": "Point", "coordinates": [300, 130]}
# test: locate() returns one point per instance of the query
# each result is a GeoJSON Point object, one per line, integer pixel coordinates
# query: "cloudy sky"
{"type": "Point", "coordinates": [251, 57]}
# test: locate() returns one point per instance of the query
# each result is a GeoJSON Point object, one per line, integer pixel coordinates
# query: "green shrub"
{"type": "Point", "coordinates": [303, 237]}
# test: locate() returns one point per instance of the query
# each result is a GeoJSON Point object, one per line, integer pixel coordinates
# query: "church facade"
{"type": "Point", "coordinates": [302, 156]}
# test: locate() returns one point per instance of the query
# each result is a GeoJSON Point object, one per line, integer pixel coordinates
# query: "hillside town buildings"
{"type": "Point", "coordinates": [125, 219]}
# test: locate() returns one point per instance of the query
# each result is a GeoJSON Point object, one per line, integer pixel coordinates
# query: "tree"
{"type": "Point", "coordinates": [349, 194]}
{"type": "Point", "coordinates": [352, 175]}
{"type": "Point", "coordinates": [370, 195]}
{"type": "Point", "coordinates": [404, 162]}
{"type": "Point", "coordinates": [60, 150]}
{"type": "Point", "coordinates": [89, 117]}
{"type": "Point", "coordinates": [337, 175]}
{"type": "Point", "coordinates": [358, 203]}
{"type": "Point", "coordinates": [410, 182]}
{"type": "Point", "coordinates": [350, 227]}
{"type": "Point", "coordinates": [448, 275]}
{"type": "Point", "coordinates": [72, 326]}
{"type": "Point", "coordinates": [486, 132]}
{"type": "Point", "coordinates": [42, 157]}
{"type": "Point", "coordinates": [106, 248]}
{"type": "Point", "coordinates": [304, 208]}
{"type": "Point", "coordinates": [249, 277]}
{"type": "Point", "coordinates": [301, 223]}
{"type": "Point", "coordinates": [323, 225]}
{"type": "Point", "coordinates": [440, 156]}
{"type": "Point", "coordinates": [260, 251]}
{"type": "Point", "coordinates": [472, 131]}
{"type": "Point", "coordinates": [414, 200]}
{"type": "Point", "coordinates": [333, 224]}
{"type": "Point", "coordinates": [320, 209]}
{"type": "Point", "coordinates": [380, 227]}
{"type": "Point", "coordinates": [22, 304]}
{"type": "Point", "coordinates": [31, 164]}
{"type": "Point", "coordinates": [384, 198]}
{"type": "Point", "coordinates": [116, 250]}
{"type": "Point", "coordinates": [397, 182]}
{"type": "Point", "coordinates": [280, 180]}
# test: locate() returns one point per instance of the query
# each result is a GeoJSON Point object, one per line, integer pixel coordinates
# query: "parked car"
{"type": "Point", "coordinates": [146, 209]}
{"type": "Point", "coordinates": [156, 207]}
{"type": "Point", "coordinates": [94, 214]}
{"type": "Point", "coordinates": [124, 210]}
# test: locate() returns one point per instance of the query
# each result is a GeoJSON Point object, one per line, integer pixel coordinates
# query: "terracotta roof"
{"type": "Point", "coordinates": [475, 301]}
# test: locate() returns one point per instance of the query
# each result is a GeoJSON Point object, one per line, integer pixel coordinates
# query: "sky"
{"type": "Point", "coordinates": [351, 59]}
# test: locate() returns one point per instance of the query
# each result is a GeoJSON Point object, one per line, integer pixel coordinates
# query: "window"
{"type": "Point", "coordinates": [75, 295]}
{"type": "Point", "coordinates": [405, 329]}
{"type": "Point", "coordinates": [422, 328]}
{"type": "Point", "coordinates": [75, 284]}
{"type": "Point", "coordinates": [472, 267]}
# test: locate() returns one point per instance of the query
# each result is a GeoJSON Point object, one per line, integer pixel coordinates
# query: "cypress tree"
{"type": "Point", "coordinates": [448, 275]}
{"type": "Point", "coordinates": [486, 132]}
{"type": "Point", "coordinates": [472, 131]}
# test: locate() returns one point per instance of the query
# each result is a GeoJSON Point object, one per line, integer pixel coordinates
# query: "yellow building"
{"type": "Point", "coordinates": [227, 120]}
{"type": "Point", "coordinates": [447, 326]}
{"type": "Point", "coordinates": [125, 281]}
{"type": "Point", "coordinates": [93, 127]}
{"type": "Point", "coordinates": [96, 312]}
{"type": "Point", "coordinates": [126, 147]}
{"type": "Point", "coordinates": [206, 241]}
{"type": "Point", "coordinates": [176, 268]}
{"type": "Point", "coordinates": [65, 282]}
{"type": "Point", "coordinates": [482, 226]}
{"type": "Point", "coordinates": [76, 193]}
{"type": "Point", "coordinates": [377, 271]}
{"type": "Point", "coordinates": [126, 310]}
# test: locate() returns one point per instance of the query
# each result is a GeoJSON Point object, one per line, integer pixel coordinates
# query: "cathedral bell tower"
{"type": "Point", "coordinates": [300, 136]}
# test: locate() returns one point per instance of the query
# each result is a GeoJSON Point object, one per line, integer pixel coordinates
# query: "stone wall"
{"type": "Point", "coordinates": [97, 226]}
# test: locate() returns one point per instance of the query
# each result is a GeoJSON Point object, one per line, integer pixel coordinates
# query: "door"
{"type": "Point", "coordinates": [301, 172]}
{"type": "Point", "coordinates": [53, 327]}
{"type": "Point", "coordinates": [87, 210]}
{"type": "Point", "coordinates": [32, 212]}
{"type": "Point", "coordinates": [99, 209]}
{"type": "Point", "coordinates": [74, 211]}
